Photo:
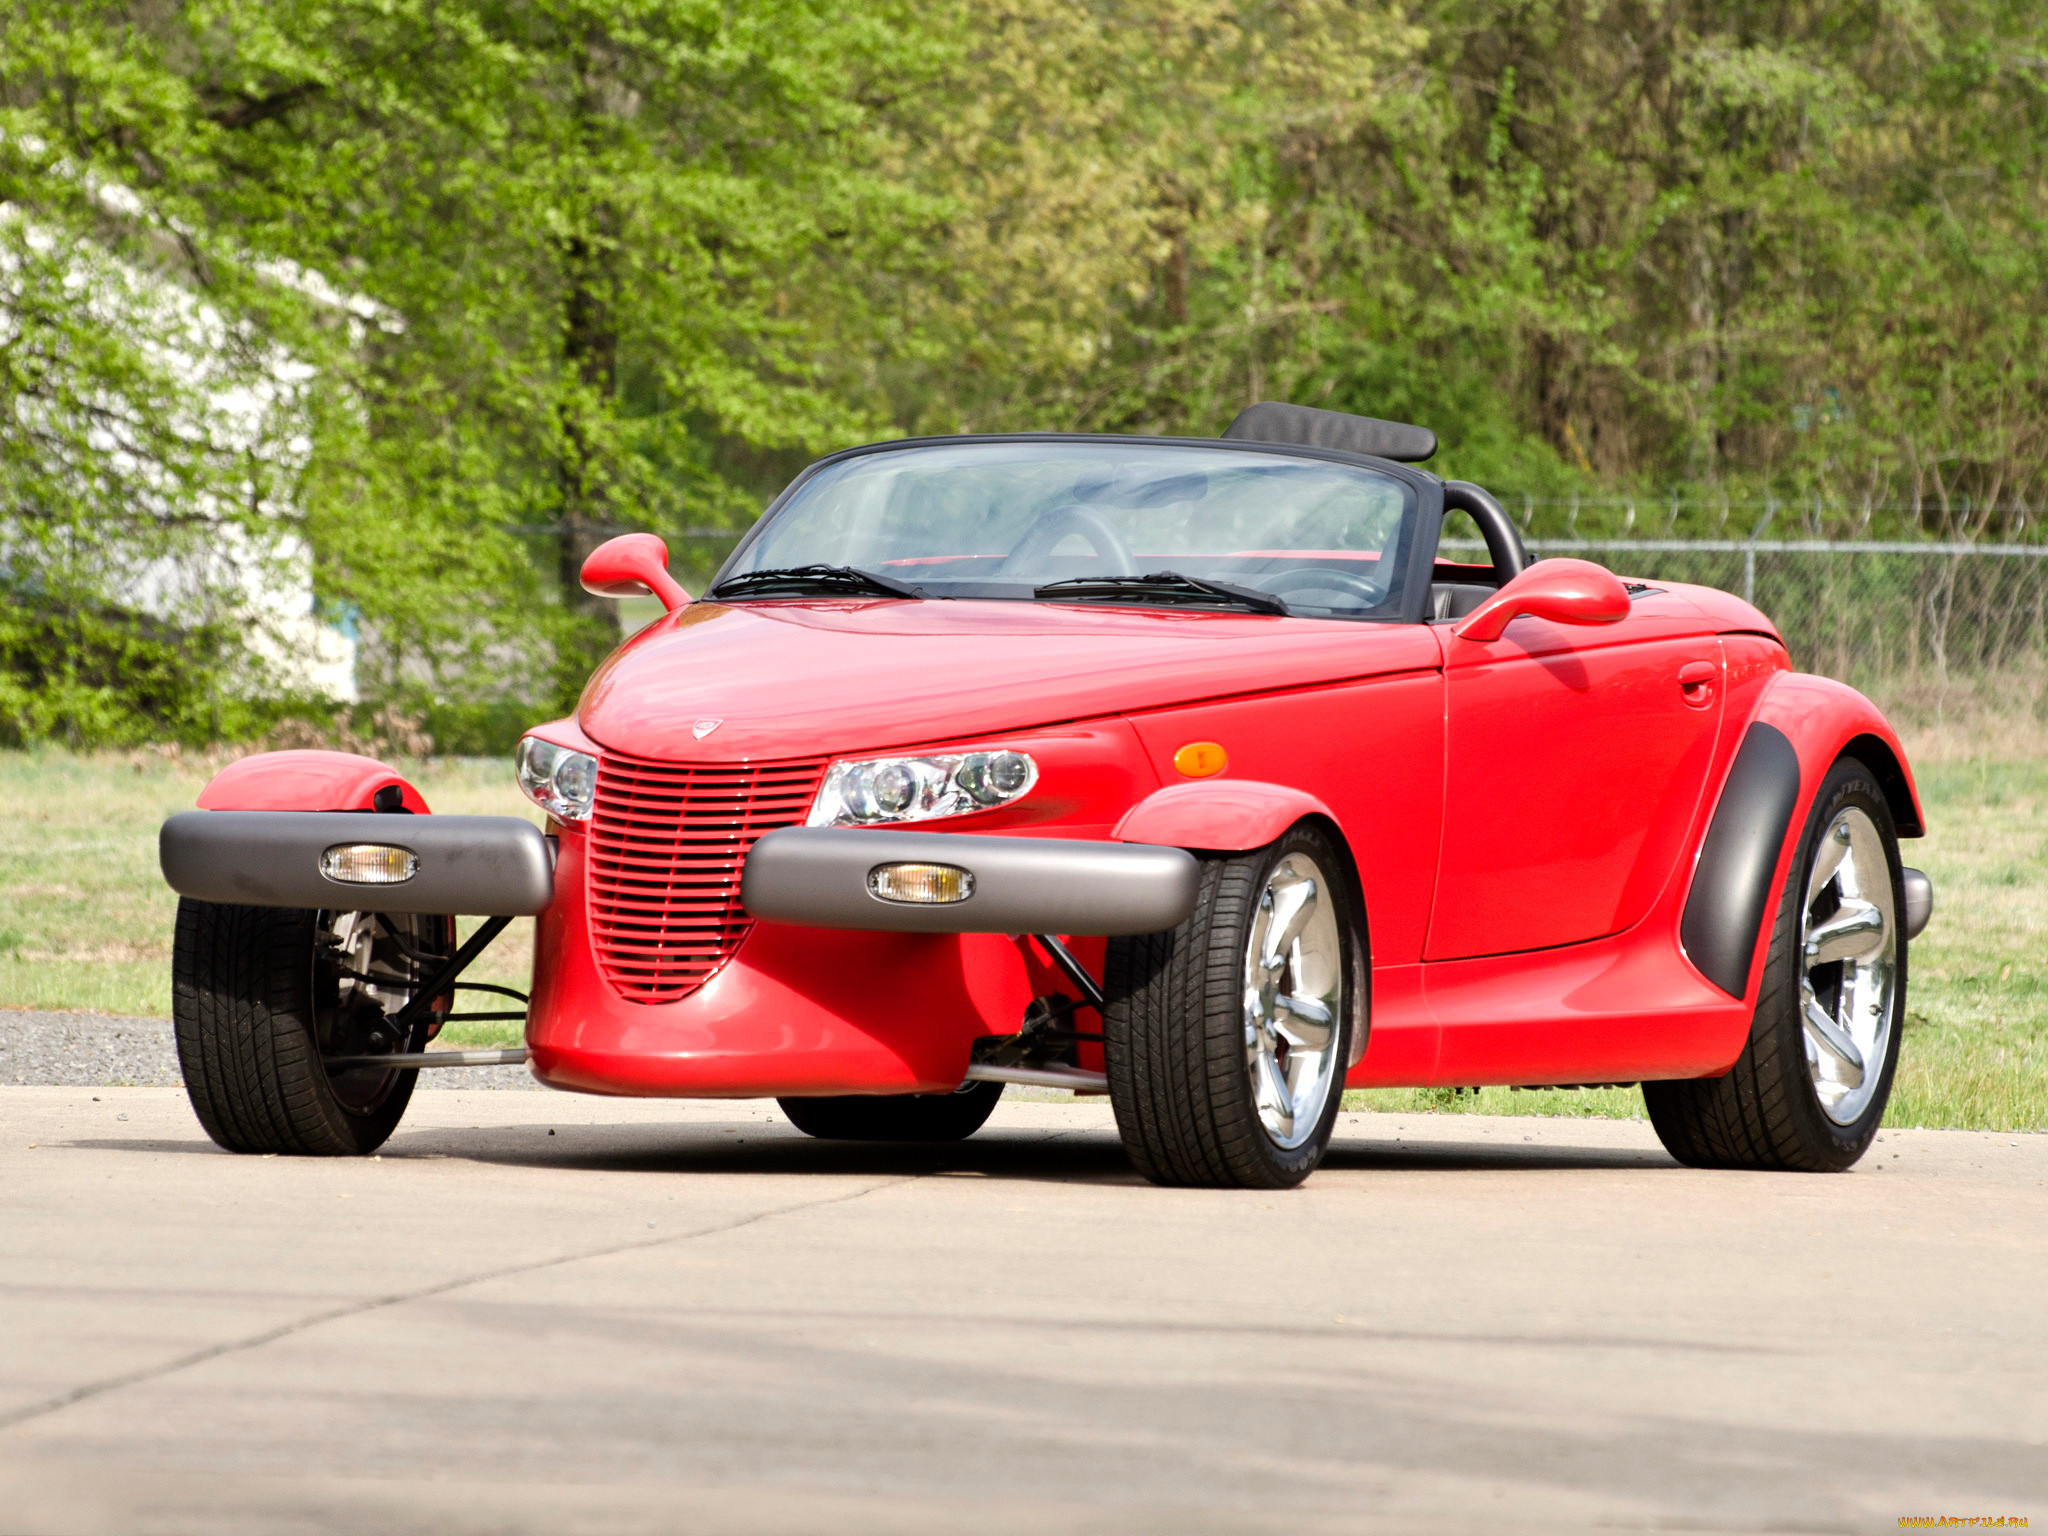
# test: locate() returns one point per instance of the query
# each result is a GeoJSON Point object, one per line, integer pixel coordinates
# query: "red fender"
{"type": "Point", "coordinates": [1230, 815]}
{"type": "Point", "coordinates": [307, 781]}
{"type": "Point", "coordinates": [1823, 719]}
{"type": "Point", "coordinates": [1732, 901]}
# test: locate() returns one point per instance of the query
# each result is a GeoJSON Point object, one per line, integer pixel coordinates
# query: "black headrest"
{"type": "Point", "coordinates": [1272, 422]}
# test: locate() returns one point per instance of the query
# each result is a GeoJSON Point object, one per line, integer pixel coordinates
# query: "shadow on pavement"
{"type": "Point", "coordinates": [756, 1147]}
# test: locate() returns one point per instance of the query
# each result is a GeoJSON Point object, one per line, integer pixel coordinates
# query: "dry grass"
{"type": "Point", "coordinates": [85, 920]}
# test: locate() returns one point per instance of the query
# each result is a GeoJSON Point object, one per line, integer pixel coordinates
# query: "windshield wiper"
{"type": "Point", "coordinates": [803, 580]}
{"type": "Point", "coordinates": [1162, 587]}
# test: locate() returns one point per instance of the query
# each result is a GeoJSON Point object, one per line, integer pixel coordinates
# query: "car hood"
{"type": "Point", "coordinates": [798, 678]}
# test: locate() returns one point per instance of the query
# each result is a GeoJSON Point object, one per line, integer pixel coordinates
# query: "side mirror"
{"type": "Point", "coordinates": [1562, 591]}
{"type": "Point", "coordinates": [629, 565]}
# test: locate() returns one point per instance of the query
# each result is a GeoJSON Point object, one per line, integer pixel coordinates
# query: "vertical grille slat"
{"type": "Point", "coordinates": [667, 841]}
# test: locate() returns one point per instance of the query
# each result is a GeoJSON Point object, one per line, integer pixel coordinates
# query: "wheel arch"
{"type": "Point", "coordinates": [1220, 815]}
{"type": "Point", "coordinates": [1801, 728]}
{"type": "Point", "coordinates": [1825, 720]}
{"type": "Point", "coordinates": [1236, 816]}
{"type": "Point", "coordinates": [311, 781]}
{"type": "Point", "coordinates": [1882, 758]}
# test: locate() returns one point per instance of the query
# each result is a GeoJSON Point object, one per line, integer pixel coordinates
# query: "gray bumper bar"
{"type": "Point", "coordinates": [818, 877]}
{"type": "Point", "coordinates": [473, 866]}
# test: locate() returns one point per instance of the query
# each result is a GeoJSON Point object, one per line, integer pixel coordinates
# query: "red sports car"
{"type": "Point", "coordinates": [1186, 771]}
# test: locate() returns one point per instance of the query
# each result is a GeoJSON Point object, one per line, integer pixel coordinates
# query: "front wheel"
{"type": "Point", "coordinates": [1809, 1089]}
{"type": "Point", "coordinates": [262, 995]}
{"type": "Point", "coordinates": [1227, 1038]}
{"type": "Point", "coordinates": [896, 1117]}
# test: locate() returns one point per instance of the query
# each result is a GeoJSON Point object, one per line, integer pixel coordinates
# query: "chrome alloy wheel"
{"type": "Point", "coordinates": [1293, 1000]}
{"type": "Point", "coordinates": [1848, 965]}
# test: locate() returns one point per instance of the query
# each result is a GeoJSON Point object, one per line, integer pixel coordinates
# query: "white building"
{"type": "Point", "coordinates": [244, 564]}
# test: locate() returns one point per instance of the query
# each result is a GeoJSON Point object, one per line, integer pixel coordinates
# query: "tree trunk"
{"type": "Point", "coordinates": [590, 349]}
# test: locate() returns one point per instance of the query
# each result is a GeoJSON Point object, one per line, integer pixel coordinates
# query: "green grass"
{"type": "Point", "coordinates": [85, 917]}
{"type": "Point", "coordinates": [85, 921]}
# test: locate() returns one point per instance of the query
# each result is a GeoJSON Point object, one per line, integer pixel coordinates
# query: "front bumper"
{"type": "Point", "coordinates": [818, 877]}
{"type": "Point", "coordinates": [471, 866]}
{"type": "Point", "coordinates": [795, 1010]}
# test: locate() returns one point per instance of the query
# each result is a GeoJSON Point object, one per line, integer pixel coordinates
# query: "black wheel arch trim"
{"type": "Point", "coordinates": [1876, 754]}
{"type": "Point", "coordinates": [1732, 882]}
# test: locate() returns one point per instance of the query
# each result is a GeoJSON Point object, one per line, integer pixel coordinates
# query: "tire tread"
{"type": "Point", "coordinates": [241, 1002]}
{"type": "Point", "coordinates": [1174, 1042]}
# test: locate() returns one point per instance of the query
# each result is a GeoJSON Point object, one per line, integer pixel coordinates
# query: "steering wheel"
{"type": "Point", "coordinates": [1055, 523]}
{"type": "Point", "coordinates": [1310, 577]}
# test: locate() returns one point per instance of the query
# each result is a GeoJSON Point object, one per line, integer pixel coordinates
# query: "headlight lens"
{"type": "Point", "coordinates": [560, 781]}
{"type": "Point", "coordinates": [872, 791]}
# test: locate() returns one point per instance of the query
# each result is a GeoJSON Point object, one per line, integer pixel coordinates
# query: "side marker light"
{"type": "Point", "coordinates": [1201, 759]}
{"type": "Point", "coordinates": [369, 864]}
{"type": "Point", "coordinates": [926, 884]}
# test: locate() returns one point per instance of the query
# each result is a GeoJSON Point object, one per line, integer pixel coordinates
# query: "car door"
{"type": "Point", "coordinates": [1574, 761]}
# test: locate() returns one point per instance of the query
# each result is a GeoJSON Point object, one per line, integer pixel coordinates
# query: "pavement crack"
{"type": "Point", "coordinates": [92, 1389]}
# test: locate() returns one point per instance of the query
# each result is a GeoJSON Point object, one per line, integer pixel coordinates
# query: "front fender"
{"type": "Point", "coordinates": [310, 781]}
{"type": "Point", "coordinates": [1228, 815]}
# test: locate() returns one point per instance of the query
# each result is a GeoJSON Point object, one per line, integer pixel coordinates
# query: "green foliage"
{"type": "Point", "coordinates": [141, 443]}
{"type": "Point", "coordinates": [507, 276]}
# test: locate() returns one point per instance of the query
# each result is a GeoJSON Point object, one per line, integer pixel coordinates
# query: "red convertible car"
{"type": "Point", "coordinates": [1187, 771]}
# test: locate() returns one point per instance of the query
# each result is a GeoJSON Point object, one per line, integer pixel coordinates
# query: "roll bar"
{"type": "Point", "coordinates": [1503, 541]}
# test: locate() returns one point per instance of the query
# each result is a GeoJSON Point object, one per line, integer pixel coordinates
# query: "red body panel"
{"type": "Point", "coordinates": [1822, 718]}
{"type": "Point", "coordinates": [304, 781]}
{"type": "Point", "coordinates": [1576, 757]}
{"type": "Point", "coordinates": [1524, 814]}
{"type": "Point", "coordinates": [1232, 814]}
{"type": "Point", "coordinates": [846, 677]}
{"type": "Point", "coordinates": [798, 1011]}
{"type": "Point", "coordinates": [1357, 750]}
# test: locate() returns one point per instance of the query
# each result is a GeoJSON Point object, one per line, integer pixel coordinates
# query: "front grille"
{"type": "Point", "coordinates": [666, 844]}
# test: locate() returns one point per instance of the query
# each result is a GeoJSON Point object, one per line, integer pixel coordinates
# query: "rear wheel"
{"type": "Point", "coordinates": [261, 995]}
{"type": "Point", "coordinates": [1227, 1038]}
{"type": "Point", "coordinates": [896, 1117]}
{"type": "Point", "coordinates": [1810, 1087]}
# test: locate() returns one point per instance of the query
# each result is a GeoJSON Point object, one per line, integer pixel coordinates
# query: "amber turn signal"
{"type": "Point", "coordinates": [1201, 759]}
{"type": "Point", "coordinates": [927, 884]}
{"type": "Point", "coordinates": [369, 864]}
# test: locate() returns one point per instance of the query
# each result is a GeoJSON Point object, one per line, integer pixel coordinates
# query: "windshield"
{"type": "Point", "coordinates": [1014, 519]}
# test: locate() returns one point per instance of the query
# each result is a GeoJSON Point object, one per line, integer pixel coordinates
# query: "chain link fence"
{"type": "Point", "coordinates": [1863, 611]}
{"type": "Point", "coordinates": [1866, 595]}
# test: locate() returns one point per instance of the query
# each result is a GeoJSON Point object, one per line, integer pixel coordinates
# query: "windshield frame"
{"type": "Point", "coordinates": [1425, 508]}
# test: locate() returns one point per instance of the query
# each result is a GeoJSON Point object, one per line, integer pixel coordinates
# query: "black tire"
{"type": "Point", "coordinates": [1764, 1113]}
{"type": "Point", "coordinates": [246, 999]}
{"type": "Point", "coordinates": [896, 1117]}
{"type": "Point", "coordinates": [1175, 1035]}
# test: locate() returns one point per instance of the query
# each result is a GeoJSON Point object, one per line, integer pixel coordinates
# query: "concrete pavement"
{"type": "Point", "coordinates": [683, 1316]}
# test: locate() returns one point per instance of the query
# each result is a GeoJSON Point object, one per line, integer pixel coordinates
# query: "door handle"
{"type": "Point", "coordinates": [1696, 681]}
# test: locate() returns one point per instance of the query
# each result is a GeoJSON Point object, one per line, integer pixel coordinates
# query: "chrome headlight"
{"type": "Point", "coordinates": [560, 781]}
{"type": "Point", "coordinates": [872, 791]}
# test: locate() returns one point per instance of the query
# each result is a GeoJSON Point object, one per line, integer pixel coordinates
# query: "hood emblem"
{"type": "Point", "coordinates": [704, 728]}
